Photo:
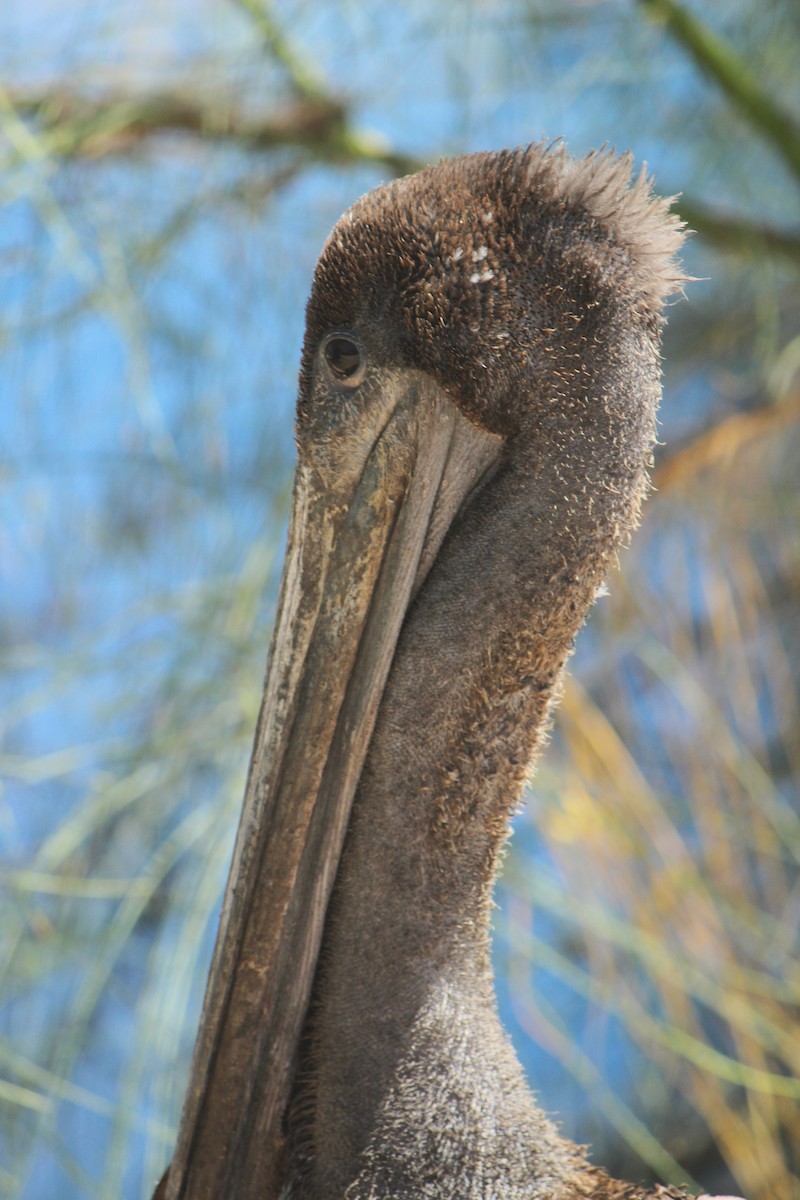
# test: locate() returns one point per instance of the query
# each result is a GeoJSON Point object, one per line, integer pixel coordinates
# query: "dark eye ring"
{"type": "Point", "coordinates": [345, 358]}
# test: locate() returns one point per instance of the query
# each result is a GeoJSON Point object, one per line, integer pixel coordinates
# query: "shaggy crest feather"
{"type": "Point", "coordinates": [604, 184]}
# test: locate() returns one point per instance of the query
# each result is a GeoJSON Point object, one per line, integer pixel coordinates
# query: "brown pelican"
{"type": "Point", "coordinates": [476, 414]}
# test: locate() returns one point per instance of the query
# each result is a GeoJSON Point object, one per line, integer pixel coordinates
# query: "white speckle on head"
{"type": "Point", "coordinates": [487, 217]}
{"type": "Point", "coordinates": [475, 277]}
{"type": "Point", "coordinates": [486, 276]}
{"type": "Point", "coordinates": [479, 254]}
{"type": "Point", "coordinates": [458, 253]}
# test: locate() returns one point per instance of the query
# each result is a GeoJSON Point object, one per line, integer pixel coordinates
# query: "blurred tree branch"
{"type": "Point", "coordinates": [724, 439]}
{"type": "Point", "coordinates": [737, 235]}
{"type": "Point", "coordinates": [72, 125]}
{"type": "Point", "coordinates": [302, 77]}
{"type": "Point", "coordinates": [733, 76]}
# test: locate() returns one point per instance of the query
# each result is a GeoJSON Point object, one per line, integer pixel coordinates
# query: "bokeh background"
{"type": "Point", "coordinates": [168, 173]}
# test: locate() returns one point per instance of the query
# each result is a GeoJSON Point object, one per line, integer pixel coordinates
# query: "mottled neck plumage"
{"type": "Point", "coordinates": [403, 1037]}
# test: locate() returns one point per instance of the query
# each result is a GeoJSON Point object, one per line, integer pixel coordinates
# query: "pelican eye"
{"type": "Point", "coordinates": [345, 359]}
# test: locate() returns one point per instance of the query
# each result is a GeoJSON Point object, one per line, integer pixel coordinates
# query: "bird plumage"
{"type": "Point", "coordinates": [529, 287]}
{"type": "Point", "coordinates": [477, 405]}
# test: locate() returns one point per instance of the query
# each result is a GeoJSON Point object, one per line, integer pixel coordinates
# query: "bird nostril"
{"type": "Point", "coordinates": [345, 359]}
